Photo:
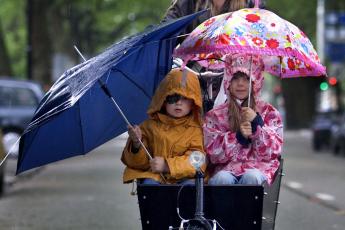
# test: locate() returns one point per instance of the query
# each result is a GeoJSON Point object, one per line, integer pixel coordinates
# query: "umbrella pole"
{"type": "Point", "coordinates": [250, 80]}
{"type": "Point", "coordinates": [107, 92]}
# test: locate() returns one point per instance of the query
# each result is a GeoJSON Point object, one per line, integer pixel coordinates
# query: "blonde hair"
{"type": "Point", "coordinates": [235, 111]}
{"type": "Point", "coordinates": [229, 6]}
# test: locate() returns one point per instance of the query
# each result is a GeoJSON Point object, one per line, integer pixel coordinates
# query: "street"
{"type": "Point", "coordinates": [86, 192]}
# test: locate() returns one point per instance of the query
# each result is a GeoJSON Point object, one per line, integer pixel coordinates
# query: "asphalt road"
{"type": "Point", "coordinates": [86, 192]}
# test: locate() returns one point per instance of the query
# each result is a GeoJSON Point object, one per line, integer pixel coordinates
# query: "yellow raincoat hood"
{"type": "Point", "coordinates": [174, 139]}
{"type": "Point", "coordinates": [182, 82]}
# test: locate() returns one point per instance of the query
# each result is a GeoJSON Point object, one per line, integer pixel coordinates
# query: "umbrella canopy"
{"type": "Point", "coordinates": [285, 49]}
{"type": "Point", "coordinates": [76, 116]}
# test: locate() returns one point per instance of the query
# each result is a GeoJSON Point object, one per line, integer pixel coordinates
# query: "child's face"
{"type": "Point", "coordinates": [239, 86]}
{"type": "Point", "coordinates": [178, 106]}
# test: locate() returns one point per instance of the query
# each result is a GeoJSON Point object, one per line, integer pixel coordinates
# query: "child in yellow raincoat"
{"type": "Point", "coordinates": [172, 132]}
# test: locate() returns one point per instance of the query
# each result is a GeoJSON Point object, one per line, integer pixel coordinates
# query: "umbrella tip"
{"type": "Point", "coordinates": [257, 2]}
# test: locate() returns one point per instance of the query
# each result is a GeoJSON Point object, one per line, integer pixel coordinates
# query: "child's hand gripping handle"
{"type": "Point", "coordinates": [134, 133]}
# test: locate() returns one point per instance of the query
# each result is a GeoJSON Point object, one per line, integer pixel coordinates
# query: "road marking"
{"type": "Point", "coordinates": [89, 198]}
{"type": "Point", "coordinates": [294, 185]}
{"type": "Point", "coordinates": [322, 199]}
{"type": "Point", "coordinates": [325, 196]}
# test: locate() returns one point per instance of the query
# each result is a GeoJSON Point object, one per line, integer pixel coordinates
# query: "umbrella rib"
{"type": "Point", "coordinates": [107, 92]}
{"type": "Point", "coordinates": [81, 130]}
{"type": "Point", "coordinates": [138, 86]}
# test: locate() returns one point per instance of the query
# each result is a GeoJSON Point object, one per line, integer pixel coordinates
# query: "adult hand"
{"type": "Point", "coordinates": [158, 165]}
{"type": "Point", "coordinates": [134, 133]}
{"type": "Point", "coordinates": [247, 114]}
{"type": "Point", "coordinates": [246, 129]}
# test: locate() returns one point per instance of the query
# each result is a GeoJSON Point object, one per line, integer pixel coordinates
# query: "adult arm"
{"type": "Point", "coordinates": [179, 8]}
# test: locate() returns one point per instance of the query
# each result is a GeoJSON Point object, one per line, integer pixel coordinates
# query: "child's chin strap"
{"type": "Point", "coordinates": [239, 101]}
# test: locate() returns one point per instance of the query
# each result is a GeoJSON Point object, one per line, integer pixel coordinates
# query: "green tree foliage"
{"type": "Point", "coordinates": [13, 34]}
{"type": "Point", "coordinates": [299, 93]}
{"type": "Point", "coordinates": [5, 66]}
{"type": "Point", "coordinates": [300, 13]}
{"type": "Point", "coordinates": [335, 5]}
{"type": "Point", "coordinates": [92, 25]}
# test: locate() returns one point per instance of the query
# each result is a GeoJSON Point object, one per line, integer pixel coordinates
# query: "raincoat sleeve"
{"type": "Point", "coordinates": [221, 145]}
{"type": "Point", "coordinates": [179, 165]}
{"type": "Point", "coordinates": [139, 159]}
{"type": "Point", "coordinates": [267, 140]}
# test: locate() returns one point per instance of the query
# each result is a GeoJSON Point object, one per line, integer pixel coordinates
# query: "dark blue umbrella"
{"type": "Point", "coordinates": [76, 115]}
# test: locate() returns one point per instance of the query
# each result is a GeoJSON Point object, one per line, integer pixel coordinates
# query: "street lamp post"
{"type": "Point", "coordinates": [320, 30]}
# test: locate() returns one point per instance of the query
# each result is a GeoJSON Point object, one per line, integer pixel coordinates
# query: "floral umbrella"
{"type": "Point", "coordinates": [285, 49]}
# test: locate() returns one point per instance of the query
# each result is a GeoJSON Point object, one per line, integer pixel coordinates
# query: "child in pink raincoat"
{"type": "Point", "coordinates": [243, 143]}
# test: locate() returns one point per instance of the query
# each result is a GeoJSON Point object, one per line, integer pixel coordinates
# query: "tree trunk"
{"type": "Point", "coordinates": [41, 42]}
{"type": "Point", "coordinates": [5, 64]}
{"type": "Point", "coordinates": [300, 101]}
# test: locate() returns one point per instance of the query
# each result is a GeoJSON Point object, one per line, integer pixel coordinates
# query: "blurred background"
{"type": "Point", "coordinates": [37, 38]}
{"type": "Point", "coordinates": [36, 47]}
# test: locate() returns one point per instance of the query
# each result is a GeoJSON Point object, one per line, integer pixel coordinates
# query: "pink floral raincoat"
{"type": "Point", "coordinates": [224, 150]}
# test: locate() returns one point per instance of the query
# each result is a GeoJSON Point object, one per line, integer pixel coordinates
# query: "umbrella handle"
{"type": "Point", "coordinates": [149, 155]}
{"type": "Point", "coordinates": [107, 92]}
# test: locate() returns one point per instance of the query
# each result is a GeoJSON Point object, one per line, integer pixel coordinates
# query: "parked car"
{"type": "Point", "coordinates": [337, 140]}
{"type": "Point", "coordinates": [321, 129]}
{"type": "Point", "coordinates": [18, 102]}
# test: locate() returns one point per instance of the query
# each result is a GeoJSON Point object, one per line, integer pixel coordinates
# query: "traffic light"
{"type": "Point", "coordinates": [324, 86]}
{"type": "Point", "coordinates": [332, 81]}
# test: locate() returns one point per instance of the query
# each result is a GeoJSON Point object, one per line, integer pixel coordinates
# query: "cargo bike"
{"type": "Point", "coordinates": [203, 206]}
